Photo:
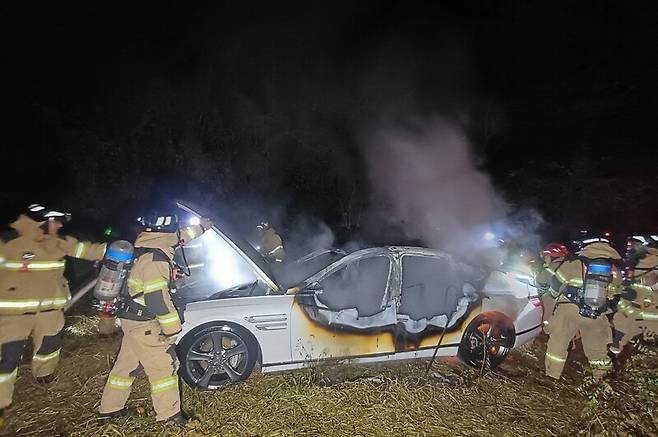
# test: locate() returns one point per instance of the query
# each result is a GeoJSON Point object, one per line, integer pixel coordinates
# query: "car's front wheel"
{"type": "Point", "coordinates": [216, 355]}
{"type": "Point", "coordinates": [487, 341]}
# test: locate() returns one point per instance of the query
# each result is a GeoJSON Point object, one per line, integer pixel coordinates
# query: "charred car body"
{"type": "Point", "coordinates": [372, 305]}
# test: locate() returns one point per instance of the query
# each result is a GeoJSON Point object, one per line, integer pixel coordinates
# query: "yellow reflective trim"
{"type": "Point", "coordinates": [19, 304]}
{"type": "Point", "coordinates": [34, 265]}
{"type": "Point", "coordinates": [48, 357]}
{"type": "Point", "coordinates": [164, 384]}
{"type": "Point", "coordinates": [79, 250]}
{"type": "Point", "coordinates": [6, 377]}
{"type": "Point", "coordinates": [135, 283]}
{"type": "Point", "coordinates": [140, 300]}
{"type": "Point", "coordinates": [2, 259]}
{"type": "Point", "coordinates": [168, 319]}
{"type": "Point", "coordinates": [649, 315]}
{"type": "Point", "coordinates": [54, 303]}
{"type": "Point", "coordinates": [640, 287]}
{"type": "Point", "coordinates": [271, 252]}
{"type": "Point", "coordinates": [119, 382]}
{"type": "Point", "coordinates": [155, 285]}
{"type": "Point", "coordinates": [555, 358]}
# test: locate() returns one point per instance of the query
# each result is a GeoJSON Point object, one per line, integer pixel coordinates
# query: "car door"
{"type": "Point", "coordinates": [437, 294]}
{"type": "Point", "coordinates": [346, 312]}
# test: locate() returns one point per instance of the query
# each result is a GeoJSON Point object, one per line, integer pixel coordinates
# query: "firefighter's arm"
{"type": "Point", "coordinates": [83, 249]}
{"type": "Point", "coordinates": [543, 277]}
{"type": "Point", "coordinates": [189, 233]}
{"type": "Point", "coordinates": [274, 247]}
{"type": "Point", "coordinates": [615, 287]}
{"type": "Point", "coordinates": [156, 296]}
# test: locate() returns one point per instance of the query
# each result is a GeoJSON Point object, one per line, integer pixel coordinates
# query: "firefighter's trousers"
{"type": "Point", "coordinates": [144, 348]}
{"type": "Point", "coordinates": [549, 306]}
{"type": "Point", "coordinates": [596, 334]}
{"type": "Point", "coordinates": [45, 328]}
{"type": "Point", "coordinates": [628, 327]}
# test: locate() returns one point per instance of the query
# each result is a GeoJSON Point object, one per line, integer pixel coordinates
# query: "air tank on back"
{"type": "Point", "coordinates": [597, 279]}
{"type": "Point", "coordinates": [116, 265]}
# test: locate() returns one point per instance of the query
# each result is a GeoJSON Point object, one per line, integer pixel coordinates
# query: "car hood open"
{"type": "Point", "coordinates": [245, 250]}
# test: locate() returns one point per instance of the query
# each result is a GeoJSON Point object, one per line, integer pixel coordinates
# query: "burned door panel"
{"type": "Point", "coordinates": [347, 313]}
{"type": "Point", "coordinates": [437, 293]}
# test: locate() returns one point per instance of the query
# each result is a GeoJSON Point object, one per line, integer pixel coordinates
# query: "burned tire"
{"type": "Point", "coordinates": [487, 341]}
{"type": "Point", "coordinates": [216, 355]}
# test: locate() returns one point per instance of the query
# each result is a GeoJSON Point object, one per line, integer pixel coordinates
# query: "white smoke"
{"type": "Point", "coordinates": [425, 182]}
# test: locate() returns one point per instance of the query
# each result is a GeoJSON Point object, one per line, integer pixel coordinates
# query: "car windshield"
{"type": "Point", "coordinates": [294, 272]}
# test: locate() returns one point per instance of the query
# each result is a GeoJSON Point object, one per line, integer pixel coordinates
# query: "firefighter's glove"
{"type": "Point", "coordinates": [629, 294]}
{"type": "Point", "coordinates": [205, 223]}
{"type": "Point", "coordinates": [178, 273]}
{"type": "Point", "coordinates": [167, 339]}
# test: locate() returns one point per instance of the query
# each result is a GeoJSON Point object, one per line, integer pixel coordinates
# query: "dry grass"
{"type": "Point", "coordinates": [516, 400]}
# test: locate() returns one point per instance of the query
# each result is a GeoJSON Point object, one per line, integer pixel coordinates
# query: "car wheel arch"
{"type": "Point", "coordinates": [212, 323]}
{"type": "Point", "coordinates": [494, 316]}
{"type": "Point", "coordinates": [236, 328]}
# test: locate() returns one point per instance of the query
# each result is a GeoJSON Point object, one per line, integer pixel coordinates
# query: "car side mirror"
{"type": "Point", "coordinates": [314, 287]}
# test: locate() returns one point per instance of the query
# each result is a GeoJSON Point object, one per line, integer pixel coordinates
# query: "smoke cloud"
{"type": "Point", "coordinates": [424, 181]}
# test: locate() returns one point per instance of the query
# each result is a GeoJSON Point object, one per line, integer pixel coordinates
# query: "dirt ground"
{"type": "Point", "coordinates": [514, 400]}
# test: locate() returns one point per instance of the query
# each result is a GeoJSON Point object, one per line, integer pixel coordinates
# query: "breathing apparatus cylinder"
{"type": "Point", "coordinates": [595, 287]}
{"type": "Point", "coordinates": [116, 265]}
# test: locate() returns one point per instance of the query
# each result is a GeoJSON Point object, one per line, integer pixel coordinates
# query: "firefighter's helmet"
{"type": "Point", "coordinates": [40, 213]}
{"type": "Point", "coordinates": [555, 250]}
{"type": "Point", "coordinates": [653, 241]}
{"type": "Point", "coordinates": [159, 222]}
{"type": "Point", "coordinates": [263, 226]}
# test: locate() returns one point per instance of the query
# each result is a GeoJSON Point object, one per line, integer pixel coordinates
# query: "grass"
{"type": "Point", "coordinates": [515, 400]}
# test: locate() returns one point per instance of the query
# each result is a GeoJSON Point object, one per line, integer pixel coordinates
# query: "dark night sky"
{"type": "Point", "coordinates": [558, 99]}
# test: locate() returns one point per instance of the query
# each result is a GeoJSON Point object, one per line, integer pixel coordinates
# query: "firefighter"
{"type": "Point", "coordinates": [637, 309]}
{"type": "Point", "coordinates": [271, 245]}
{"type": "Point", "coordinates": [553, 255]}
{"type": "Point", "coordinates": [150, 322]}
{"type": "Point", "coordinates": [34, 292]}
{"type": "Point", "coordinates": [581, 281]}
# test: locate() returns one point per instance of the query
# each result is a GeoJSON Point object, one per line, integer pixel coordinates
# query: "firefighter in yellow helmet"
{"type": "Point", "coordinates": [34, 292]}
{"type": "Point", "coordinates": [637, 309]}
{"type": "Point", "coordinates": [586, 284]}
{"type": "Point", "coordinates": [271, 245]}
{"type": "Point", "coordinates": [150, 321]}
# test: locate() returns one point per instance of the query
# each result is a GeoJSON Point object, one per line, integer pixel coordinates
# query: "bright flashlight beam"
{"type": "Point", "coordinates": [489, 236]}
{"type": "Point", "coordinates": [194, 220]}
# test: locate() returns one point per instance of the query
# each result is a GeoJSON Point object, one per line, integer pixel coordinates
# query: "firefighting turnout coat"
{"type": "Point", "coordinates": [272, 246]}
{"type": "Point", "coordinates": [571, 272]}
{"type": "Point", "coordinates": [151, 278]}
{"type": "Point", "coordinates": [645, 284]}
{"type": "Point", "coordinates": [32, 268]}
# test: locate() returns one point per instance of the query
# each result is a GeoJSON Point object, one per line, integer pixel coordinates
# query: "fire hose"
{"type": "Point", "coordinates": [80, 293]}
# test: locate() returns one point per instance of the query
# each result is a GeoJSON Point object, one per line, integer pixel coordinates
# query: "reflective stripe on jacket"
{"type": "Point", "coordinates": [148, 284]}
{"type": "Point", "coordinates": [645, 284]}
{"type": "Point", "coordinates": [32, 268]}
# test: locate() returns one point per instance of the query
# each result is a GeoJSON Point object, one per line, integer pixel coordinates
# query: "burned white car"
{"type": "Point", "coordinates": [372, 305]}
